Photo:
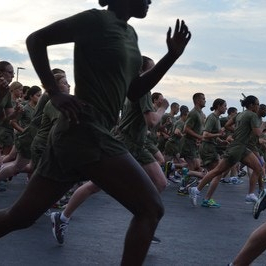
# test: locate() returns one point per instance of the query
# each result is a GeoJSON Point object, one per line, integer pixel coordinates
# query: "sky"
{"type": "Point", "coordinates": [225, 57]}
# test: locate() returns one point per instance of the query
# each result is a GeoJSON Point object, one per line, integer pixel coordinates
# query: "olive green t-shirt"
{"type": "Point", "coordinates": [50, 115]}
{"type": "Point", "coordinates": [212, 125]}
{"type": "Point", "coordinates": [195, 121]}
{"type": "Point", "coordinates": [132, 123]}
{"type": "Point", "coordinates": [102, 75]}
{"type": "Point", "coordinates": [245, 122]}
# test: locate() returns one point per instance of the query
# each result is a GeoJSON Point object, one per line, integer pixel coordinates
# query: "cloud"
{"type": "Point", "coordinates": [12, 55]}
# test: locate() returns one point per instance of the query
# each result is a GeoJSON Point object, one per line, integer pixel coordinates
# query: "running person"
{"type": "Point", "coordinates": [106, 66]}
{"type": "Point", "coordinates": [246, 122]}
{"type": "Point", "coordinates": [209, 155]}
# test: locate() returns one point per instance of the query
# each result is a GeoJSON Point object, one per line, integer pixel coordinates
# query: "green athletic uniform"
{"type": "Point", "coordinates": [133, 129]}
{"type": "Point", "coordinates": [188, 144]}
{"type": "Point", "coordinates": [6, 130]}
{"type": "Point", "coordinates": [39, 143]}
{"type": "Point", "coordinates": [24, 140]}
{"type": "Point", "coordinates": [102, 80]}
{"type": "Point", "coordinates": [172, 146]}
{"type": "Point", "coordinates": [208, 148]}
{"type": "Point", "coordinates": [237, 149]}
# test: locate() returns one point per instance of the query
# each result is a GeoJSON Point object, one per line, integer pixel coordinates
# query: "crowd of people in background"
{"type": "Point", "coordinates": [182, 146]}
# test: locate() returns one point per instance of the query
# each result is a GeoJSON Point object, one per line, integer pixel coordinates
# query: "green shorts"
{"type": "Point", "coordinates": [208, 153]}
{"type": "Point", "coordinates": [172, 148]}
{"type": "Point", "coordinates": [23, 141]}
{"type": "Point", "coordinates": [138, 151]}
{"type": "Point", "coordinates": [72, 145]}
{"type": "Point", "coordinates": [6, 137]}
{"type": "Point", "coordinates": [235, 152]}
{"type": "Point", "coordinates": [151, 146]}
{"type": "Point", "coordinates": [189, 149]}
{"type": "Point", "coordinates": [38, 147]}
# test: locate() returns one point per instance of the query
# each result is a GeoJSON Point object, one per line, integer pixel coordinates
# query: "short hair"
{"type": "Point", "coordinates": [183, 110]}
{"type": "Point", "coordinates": [3, 65]}
{"type": "Point", "coordinates": [196, 96]}
{"type": "Point", "coordinates": [174, 104]}
{"type": "Point", "coordinates": [231, 110]}
{"type": "Point", "coordinates": [58, 70]}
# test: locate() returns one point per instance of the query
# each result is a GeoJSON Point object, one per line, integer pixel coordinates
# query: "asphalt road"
{"type": "Point", "coordinates": [191, 236]}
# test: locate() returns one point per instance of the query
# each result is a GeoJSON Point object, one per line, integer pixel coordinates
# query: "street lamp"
{"type": "Point", "coordinates": [18, 68]}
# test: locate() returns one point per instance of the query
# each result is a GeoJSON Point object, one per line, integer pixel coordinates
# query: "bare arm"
{"type": "Point", "coordinates": [153, 118]}
{"type": "Point", "coordinates": [37, 43]}
{"type": "Point", "coordinates": [176, 45]}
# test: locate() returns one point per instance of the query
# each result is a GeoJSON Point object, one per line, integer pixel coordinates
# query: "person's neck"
{"type": "Point", "coordinates": [120, 11]}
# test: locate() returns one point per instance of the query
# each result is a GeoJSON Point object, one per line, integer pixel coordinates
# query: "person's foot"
{"type": "Point", "coordinates": [59, 227]}
{"type": "Point", "coordinates": [182, 191]}
{"type": "Point", "coordinates": [155, 240]}
{"type": "Point", "coordinates": [260, 205]}
{"type": "Point", "coordinates": [193, 194]}
{"type": "Point", "coordinates": [251, 198]}
{"type": "Point", "coordinates": [210, 203]}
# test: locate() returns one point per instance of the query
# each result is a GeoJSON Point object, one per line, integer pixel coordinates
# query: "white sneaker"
{"type": "Point", "coordinates": [251, 198]}
{"type": "Point", "coordinates": [193, 195]}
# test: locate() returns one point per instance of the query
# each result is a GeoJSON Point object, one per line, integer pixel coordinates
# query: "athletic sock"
{"type": "Point", "coordinates": [63, 218]}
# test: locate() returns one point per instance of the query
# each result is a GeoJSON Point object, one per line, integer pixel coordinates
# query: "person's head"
{"type": "Point", "coordinates": [25, 90]}
{"type": "Point", "coordinates": [231, 111]}
{"type": "Point", "coordinates": [147, 64]}
{"type": "Point", "coordinates": [199, 99]}
{"type": "Point", "coordinates": [62, 83]}
{"type": "Point", "coordinates": [174, 108]}
{"type": "Point", "coordinates": [184, 110]}
{"type": "Point", "coordinates": [219, 105]}
{"type": "Point", "coordinates": [251, 103]}
{"type": "Point", "coordinates": [58, 71]}
{"type": "Point", "coordinates": [16, 89]}
{"type": "Point", "coordinates": [134, 8]}
{"type": "Point", "coordinates": [33, 94]}
{"type": "Point", "coordinates": [156, 98]}
{"type": "Point", "coordinates": [262, 110]}
{"type": "Point", "coordinates": [6, 71]}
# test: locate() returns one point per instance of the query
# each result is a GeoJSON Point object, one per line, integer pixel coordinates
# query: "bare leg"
{"type": "Point", "coordinates": [254, 246]}
{"type": "Point", "coordinates": [11, 156]}
{"type": "Point", "coordinates": [12, 168]}
{"type": "Point", "coordinates": [218, 170]}
{"type": "Point", "coordinates": [132, 187]}
{"type": "Point", "coordinates": [156, 174]}
{"type": "Point", "coordinates": [79, 196]}
{"type": "Point", "coordinates": [39, 195]}
{"type": "Point", "coordinates": [252, 161]}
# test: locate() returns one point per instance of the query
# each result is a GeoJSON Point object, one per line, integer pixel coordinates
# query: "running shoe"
{"type": "Point", "coordinates": [260, 205]}
{"type": "Point", "coordinates": [241, 173]}
{"type": "Point", "coordinates": [193, 195]}
{"type": "Point", "coordinates": [59, 227]}
{"type": "Point", "coordinates": [155, 240]}
{"type": "Point", "coordinates": [174, 179]}
{"type": "Point", "coordinates": [183, 191]}
{"type": "Point", "coordinates": [210, 203]}
{"type": "Point", "coordinates": [251, 198]}
{"type": "Point", "coordinates": [235, 180]}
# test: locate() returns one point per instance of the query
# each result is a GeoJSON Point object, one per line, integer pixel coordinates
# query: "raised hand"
{"type": "Point", "coordinates": [176, 44]}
